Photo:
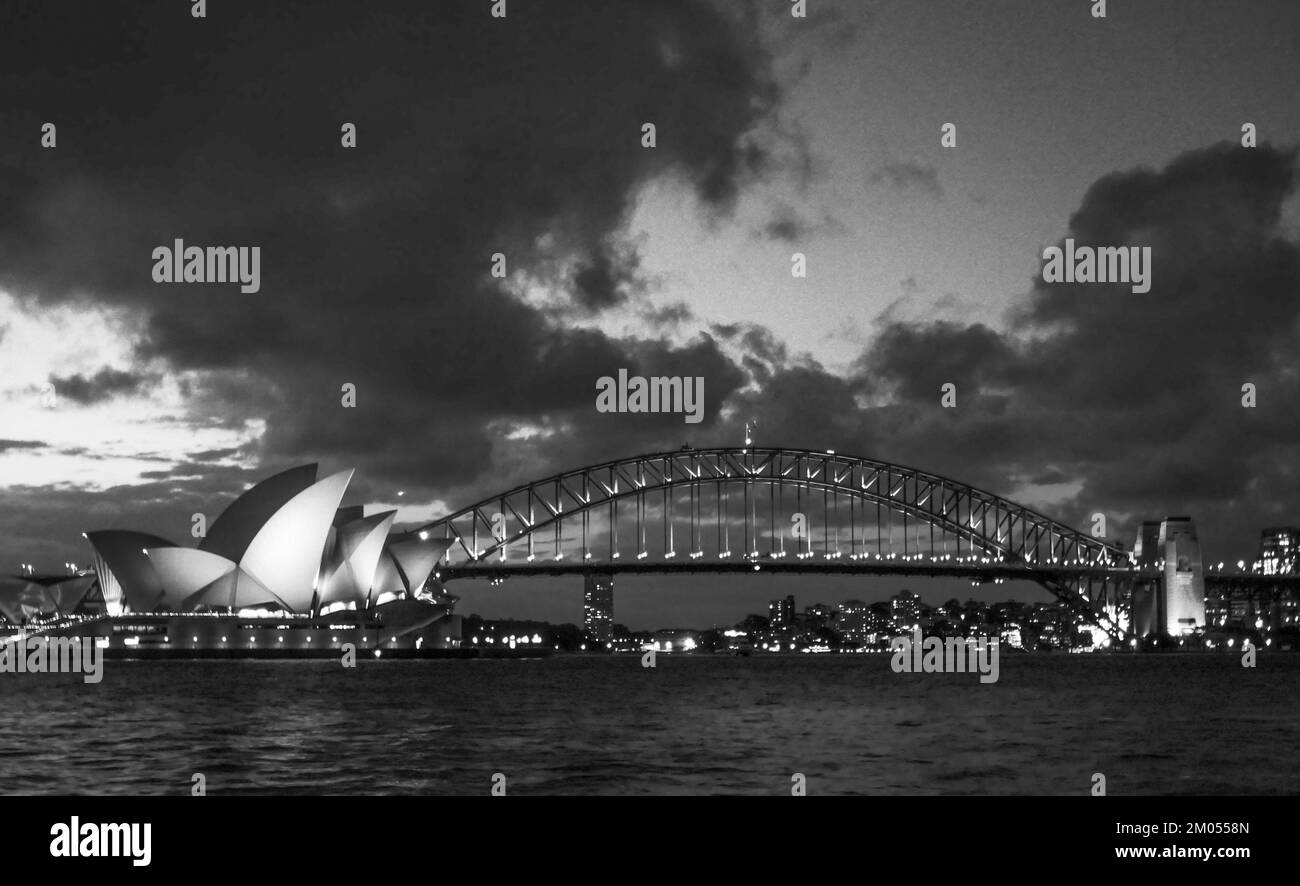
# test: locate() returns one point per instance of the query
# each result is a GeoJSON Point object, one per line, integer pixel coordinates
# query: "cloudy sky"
{"type": "Point", "coordinates": [523, 135]}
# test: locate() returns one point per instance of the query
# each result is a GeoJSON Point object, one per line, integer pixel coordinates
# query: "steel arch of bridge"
{"type": "Point", "coordinates": [992, 527]}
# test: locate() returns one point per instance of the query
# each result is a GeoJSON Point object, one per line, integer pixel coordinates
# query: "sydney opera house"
{"type": "Point", "coordinates": [285, 571]}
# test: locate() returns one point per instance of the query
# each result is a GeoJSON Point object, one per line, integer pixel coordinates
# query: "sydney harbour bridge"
{"type": "Point", "coordinates": [778, 510]}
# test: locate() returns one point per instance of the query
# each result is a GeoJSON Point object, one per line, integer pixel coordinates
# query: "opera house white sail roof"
{"type": "Point", "coordinates": [127, 578]}
{"type": "Point", "coordinates": [284, 544]}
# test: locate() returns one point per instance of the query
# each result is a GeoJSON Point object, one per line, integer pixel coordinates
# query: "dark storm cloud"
{"type": "Point", "coordinates": [917, 360]}
{"type": "Point", "coordinates": [668, 315]}
{"type": "Point", "coordinates": [208, 455]}
{"type": "Point", "coordinates": [762, 353]}
{"type": "Point", "coordinates": [605, 280]}
{"type": "Point", "coordinates": [475, 135]}
{"type": "Point", "coordinates": [7, 445]}
{"type": "Point", "coordinates": [103, 385]}
{"type": "Point", "coordinates": [1135, 397]}
{"type": "Point", "coordinates": [909, 177]}
{"type": "Point", "coordinates": [785, 227]}
{"type": "Point", "coordinates": [788, 226]}
{"type": "Point", "coordinates": [757, 341]}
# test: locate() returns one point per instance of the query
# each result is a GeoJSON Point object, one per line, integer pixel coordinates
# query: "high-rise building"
{"type": "Point", "coordinates": [905, 610]}
{"type": "Point", "coordinates": [781, 612]}
{"type": "Point", "coordinates": [1184, 592]}
{"type": "Point", "coordinates": [1278, 547]}
{"type": "Point", "coordinates": [854, 622]}
{"type": "Point", "coordinates": [598, 607]}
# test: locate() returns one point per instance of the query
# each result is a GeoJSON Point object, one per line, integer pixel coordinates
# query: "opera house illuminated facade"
{"type": "Point", "coordinates": [284, 571]}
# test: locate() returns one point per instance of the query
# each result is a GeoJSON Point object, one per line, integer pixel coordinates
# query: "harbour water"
{"type": "Point", "coordinates": [1157, 724]}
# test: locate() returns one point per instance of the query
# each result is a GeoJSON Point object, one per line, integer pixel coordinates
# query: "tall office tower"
{"type": "Point", "coordinates": [1184, 597]}
{"type": "Point", "coordinates": [1147, 554]}
{"type": "Point", "coordinates": [598, 607]}
{"type": "Point", "coordinates": [1277, 550]}
{"type": "Point", "coordinates": [781, 612]}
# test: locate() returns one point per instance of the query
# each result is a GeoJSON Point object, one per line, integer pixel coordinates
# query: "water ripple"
{"type": "Point", "coordinates": [1153, 724]}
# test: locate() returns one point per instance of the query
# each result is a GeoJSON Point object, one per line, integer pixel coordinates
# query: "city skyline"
{"type": "Point", "coordinates": [1254, 620]}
